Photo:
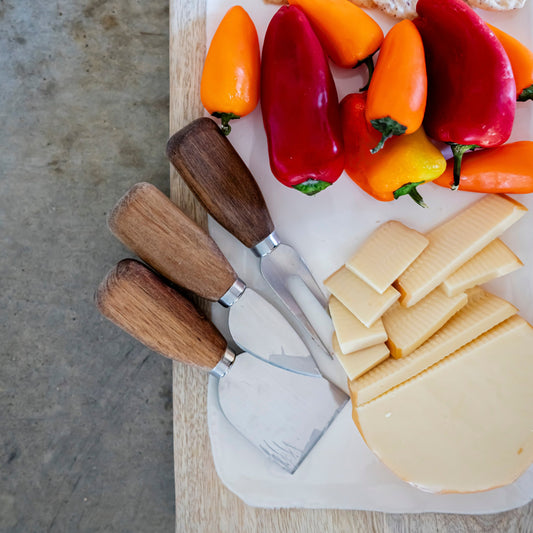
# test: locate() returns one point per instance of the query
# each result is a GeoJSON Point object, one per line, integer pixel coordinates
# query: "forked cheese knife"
{"type": "Point", "coordinates": [282, 413]}
{"type": "Point", "coordinates": [220, 179]}
{"type": "Point", "coordinates": [149, 224]}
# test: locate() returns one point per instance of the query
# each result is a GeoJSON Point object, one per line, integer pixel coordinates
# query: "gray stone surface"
{"type": "Point", "coordinates": [85, 411]}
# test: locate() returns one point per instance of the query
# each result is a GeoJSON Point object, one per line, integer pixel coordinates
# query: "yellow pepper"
{"type": "Point", "coordinates": [398, 168]}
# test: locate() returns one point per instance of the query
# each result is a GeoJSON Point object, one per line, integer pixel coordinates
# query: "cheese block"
{"type": "Point", "coordinates": [453, 243]}
{"type": "Point", "coordinates": [408, 328]}
{"type": "Point", "coordinates": [465, 424]}
{"type": "Point", "coordinates": [482, 312]}
{"type": "Point", "coordinates": [386, 254]}
{"type": "Point", "coordinates": [360, 299]}
{"type": "Point", "coordinates": [495, 260]}
{"type": "Point", "coordinates": [357, 363]}
{"type": "Point", "coordinates": [351, 333]}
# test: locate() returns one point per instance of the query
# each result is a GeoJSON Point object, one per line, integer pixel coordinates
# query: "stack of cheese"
{"type": "Point", "coordinates": [452, 409]}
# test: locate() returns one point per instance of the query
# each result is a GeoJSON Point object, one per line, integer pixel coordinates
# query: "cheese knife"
{"type": "Point", "coordinates": [282, 413]}
{"type": "Point", "coordinates": [222, 182]}
{"type": "Point", "coordinates": [149, 224]}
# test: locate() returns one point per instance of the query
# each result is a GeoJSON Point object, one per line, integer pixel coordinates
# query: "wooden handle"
{"type": "Point", "coordinates": [148, 223]}
{"type": "Point", "coordinates": [139, 302]}
{"type": "Point", "coordinates": [222, 182]}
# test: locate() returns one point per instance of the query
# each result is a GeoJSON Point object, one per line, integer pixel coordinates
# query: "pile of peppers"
{"type": "Point", "coordinates": [447, 76]}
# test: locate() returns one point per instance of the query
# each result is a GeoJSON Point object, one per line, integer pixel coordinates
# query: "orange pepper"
{"type": "Point", "coordinates": [404, 163]}
{"type": "Point", "coordinates": [230, 79]}
{"type": "Point", "coordinates": [398, 88]}
{"type": "Point", "coordinates": [521, 59]}
{"type": "Point", "coordinates": [504, 169]}
{"type": "Point", "coordinates": [349, 36]}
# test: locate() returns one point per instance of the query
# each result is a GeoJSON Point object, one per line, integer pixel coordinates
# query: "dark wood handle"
{"type": "Point", "coordinates": [139, 302]}
{"type": "Point", "coordinates": [148, 223]}
{"type": "Point", "coordinates": [217, 175]}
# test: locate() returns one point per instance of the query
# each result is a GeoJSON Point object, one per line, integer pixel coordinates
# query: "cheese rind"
{"type": "Point", "coordinates": [465, 424]}
{"type": "Point", "coordinates": [357, 363]}
{"type": "Point", "coordinates": [495, 260]}
{"type": "Point", "coordinates": [482, 312]}
{"type": "Point", "coordinates": [360, 299]}
{"type": "Point", "coordinates": [455, 242]}
{"type": "Point", "coordinates": [352, 334]}
{"type": "Point", "coordinates": [386, 254]}
{"type": "Point", "coordinates": [408, 328]}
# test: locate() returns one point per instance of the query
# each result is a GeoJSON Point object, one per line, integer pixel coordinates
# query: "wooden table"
{"type": "Point", "coordinates": [202, 502]}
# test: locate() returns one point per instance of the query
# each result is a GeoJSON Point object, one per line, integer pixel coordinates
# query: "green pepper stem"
{"type": "Point", "coordinates": [224, 120]}
{"type": "Point", "coordinates": [369, 63]}
{"type": "Point", "coordinates": [388, 127]}
{"type": "Point", "coordinates": [410, 189]}
{"type": "Point", "coordinates": [458, 151]}
{"type": "Point", "coordinates": [526, 94]}
{"type": "Point", "coordinates": [311, 187]}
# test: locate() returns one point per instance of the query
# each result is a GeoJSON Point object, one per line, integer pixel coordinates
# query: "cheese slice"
{"type": "Point", "coordinates": [465, 424]}
{"type": "Point", "coordinates": [453, 243]}
{"type": "Point", "coordinates": [408, 328]}
{"type": "Point", "coordinates": [495, 260]}
{"type": "Point", "coordinates": [386, 254]}
{"type": "Point", "coordinates": [360, 299]}
{"type": "Point", "coordinates": [351, 333]}
{"type": "Point", "coordinates": [357, 363]}
{"type": "Point", "coordinates": [482, 312]}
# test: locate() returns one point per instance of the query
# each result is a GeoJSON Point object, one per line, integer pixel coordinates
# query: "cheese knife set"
{"type": "Point", "coordinates": [272, 393]}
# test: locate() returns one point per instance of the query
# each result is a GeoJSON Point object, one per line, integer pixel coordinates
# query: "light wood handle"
{"type": "Point", "coordinates": [149, 224]}
{"type": "Point", "coordinates": [139, 302]}
{"type": "Point", "coordinates": [218, 176]}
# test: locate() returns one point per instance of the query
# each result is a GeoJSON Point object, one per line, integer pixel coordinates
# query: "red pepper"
{"type": "Point", "coordinates": [300, 105]}
{"type": "Point", "coordinates": [471, 88]}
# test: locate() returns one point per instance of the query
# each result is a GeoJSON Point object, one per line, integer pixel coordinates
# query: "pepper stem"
{"type": "Point", "coordinates": [311, 187]}
{"type": "Point", "coordinates": [458, 151]}
{"type": "Point", "coordinates": [410, 189]}
{"type": "Point", "coordinates": [369, 63]}
{"type": "Point", "coordinates": [388, 127]}
{"type": "Point", "coordinates": [224, 119]}
{"type": "Point", "coordinates": [526, 94]}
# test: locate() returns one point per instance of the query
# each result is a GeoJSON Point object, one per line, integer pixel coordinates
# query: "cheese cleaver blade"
{"type": "Point", "coordinates": [282, 413]}
{"type": "Point", "coordinates": [148, 223]}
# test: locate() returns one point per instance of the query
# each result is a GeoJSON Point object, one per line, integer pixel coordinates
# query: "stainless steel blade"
{"type": "Point", "coordinates": [278, 267]}
{"type": "Point", "coordinates": [260, 329]}
{"type": "Point", "coordinates": [282, 413]}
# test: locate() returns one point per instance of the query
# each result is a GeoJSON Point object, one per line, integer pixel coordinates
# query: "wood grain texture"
{"type": "Point", "coordinates": [148, 223]}
{"type": "Point", "coordinates": [218, 176]}
{"type": "Point", "coordinates": [203, 504]}
{"type": "Point", "coordinates": [138, 301]}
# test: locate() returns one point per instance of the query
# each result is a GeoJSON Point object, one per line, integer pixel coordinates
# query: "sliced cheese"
{"type": "Point", "coordinates": [495, 260]}
{"type": "Point", "coordinates": [351, 333]}
{"type": "Point", "coordinates": [453, 243]}
{"type": "Point", "coordinates": [361, 299]}
{"type": "Point", "coordinates": [357, 363]}
{"type": "Point", "coordinates": [408, 328]}
{"type": "Point", "coordinates": [465, 424]}
{"type": "Point", "coordinates": [482, 312]}
{"type": "Point", "coordinates": [386, 254]}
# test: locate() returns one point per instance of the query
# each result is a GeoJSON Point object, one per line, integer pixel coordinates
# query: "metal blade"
{"type": "Point", "coordinates": [260, 329]}
{"type": "Point", "coordinates": [280, 266]}
{"type": "Point", "coordinates": [282, 413]}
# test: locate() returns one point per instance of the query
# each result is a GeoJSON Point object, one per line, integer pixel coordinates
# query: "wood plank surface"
{"type": "Point", "coordinates": [203, 503]}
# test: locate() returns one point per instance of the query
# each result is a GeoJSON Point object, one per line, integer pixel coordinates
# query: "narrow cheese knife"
{"type": "Point", "coordinates": [225, 186]}
{"type": "Point", "coordinates": [149, 224]}
{"type": "Point", "coordinates": [282, 413]}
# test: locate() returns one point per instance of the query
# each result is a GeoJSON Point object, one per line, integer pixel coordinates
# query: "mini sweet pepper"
{"type": "Point", "coordinates": [396, 170]}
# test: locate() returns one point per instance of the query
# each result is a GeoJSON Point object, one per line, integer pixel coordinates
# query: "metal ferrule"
{"type": "Point", "coordinates": [233, 293]}
{"type": "Point", "coordinates": [224, 364]}
{"type": "Point", "coordinates": [266, 245]}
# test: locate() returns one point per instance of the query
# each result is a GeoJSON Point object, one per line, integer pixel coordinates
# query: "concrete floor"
{"type": "Point", "coordinates": [85, 411]}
